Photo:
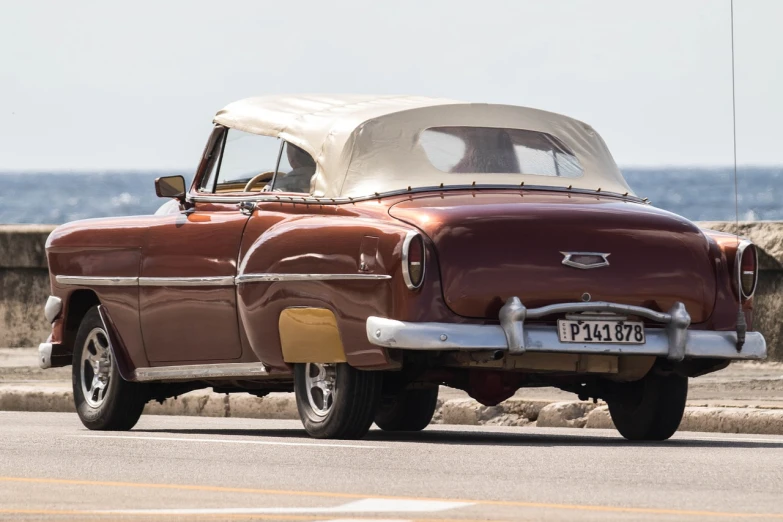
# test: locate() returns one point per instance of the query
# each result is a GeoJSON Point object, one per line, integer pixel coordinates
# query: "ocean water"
{"type": "Point", "coordinates": [697, 194]}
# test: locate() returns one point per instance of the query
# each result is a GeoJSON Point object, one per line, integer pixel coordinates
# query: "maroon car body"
{"type": "Point", "coordinates": [465, 282]}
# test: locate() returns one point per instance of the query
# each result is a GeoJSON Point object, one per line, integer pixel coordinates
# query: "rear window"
{"type": "Point", "coordinates": [490, 150]}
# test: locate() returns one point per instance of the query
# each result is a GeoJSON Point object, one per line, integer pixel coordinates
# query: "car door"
{"type": "Point", "coordinates": [187, 295]}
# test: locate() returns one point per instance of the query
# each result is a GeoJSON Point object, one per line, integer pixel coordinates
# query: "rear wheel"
{"type": "Point", "coordinates": [651, 408]}
{"type": "Point", "coordinates": [336, 401]}
{"type": "Point", "coordinates": [104, 401]}
{"type": "Point", "coordinates": [409, 410]}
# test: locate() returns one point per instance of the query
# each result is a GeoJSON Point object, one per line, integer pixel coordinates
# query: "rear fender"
{"type": "Point", "coordinates": [336, 245]}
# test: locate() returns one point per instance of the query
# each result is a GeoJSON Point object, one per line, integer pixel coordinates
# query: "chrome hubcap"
{"type": "Point", "coordinates": [96, 367]}
{"type": "Point", "coordinates": [320, 380]}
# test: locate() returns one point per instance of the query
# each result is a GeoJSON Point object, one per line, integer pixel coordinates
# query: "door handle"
{"type": "Point", "coordinates": [247, 207]}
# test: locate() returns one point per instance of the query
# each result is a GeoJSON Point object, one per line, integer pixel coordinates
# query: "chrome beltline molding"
{"type": "Point", "coordinates": [200, 371]}
{"type": "Point", "coordinates": [313, 200]}
{"type": "Point", "coordinates": [211, 281]}
{"type": "Point", "coordinates": [264, 278]}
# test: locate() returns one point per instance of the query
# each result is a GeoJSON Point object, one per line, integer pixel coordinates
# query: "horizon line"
{"type": "Point", "coordinates": [111, 170]}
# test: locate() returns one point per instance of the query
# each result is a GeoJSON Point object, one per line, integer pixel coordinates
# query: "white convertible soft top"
{"type": "Point", "coordinates": [366, 144]}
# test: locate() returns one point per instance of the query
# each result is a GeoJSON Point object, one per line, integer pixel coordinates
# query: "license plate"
{"type": "Point", "coordinates": [597, 331]}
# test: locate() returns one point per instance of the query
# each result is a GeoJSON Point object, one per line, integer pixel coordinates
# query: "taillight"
{"type": "Point", "coordinates": [413, 260]}
{"type": "Point", "coordinates": [747, 269]}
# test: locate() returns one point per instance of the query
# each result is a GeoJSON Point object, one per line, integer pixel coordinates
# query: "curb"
{"type": "Point", "coordinates": [512, 412]}
{"type": "Point", "coordinates": [198, 404]}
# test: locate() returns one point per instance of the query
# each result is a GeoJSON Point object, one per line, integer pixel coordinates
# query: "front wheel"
{"type": "Point", "coordinates": [651, 408]}
{"type": "Point", "coordinates": [104, 401]}
{"type": "Point", "coordinates": [336, 401]}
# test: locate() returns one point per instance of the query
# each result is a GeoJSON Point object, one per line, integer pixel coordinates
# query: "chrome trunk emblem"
{"type": "Point", "coordinates": [585, 260]}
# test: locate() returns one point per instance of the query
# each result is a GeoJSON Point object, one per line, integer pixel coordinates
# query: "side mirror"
{"type": "Point", "coordinates": [170, 187]}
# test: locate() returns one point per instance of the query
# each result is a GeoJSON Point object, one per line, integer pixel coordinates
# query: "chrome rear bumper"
{"type": "Point", "coordinates": [674, 340]}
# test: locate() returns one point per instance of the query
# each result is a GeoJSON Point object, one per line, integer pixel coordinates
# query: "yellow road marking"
{"type": "Point", "coordinates": [327, 494]}
{"type": "Point", "coordinates": [248, 516]}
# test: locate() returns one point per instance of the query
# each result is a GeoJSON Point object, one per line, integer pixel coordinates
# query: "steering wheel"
{"type": "Point", "coordinates": [264, 176]}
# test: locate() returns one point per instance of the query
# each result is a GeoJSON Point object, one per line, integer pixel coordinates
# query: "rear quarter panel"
{"type": "Point", "coordinates": [286, 238]}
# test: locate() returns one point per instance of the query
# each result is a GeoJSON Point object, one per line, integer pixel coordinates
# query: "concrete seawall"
{"type": "Point", "coordinates": [24, 282]}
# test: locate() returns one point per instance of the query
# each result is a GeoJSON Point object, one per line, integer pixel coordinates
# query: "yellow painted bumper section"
{"type": "Point", "coordinates": [310, 335]}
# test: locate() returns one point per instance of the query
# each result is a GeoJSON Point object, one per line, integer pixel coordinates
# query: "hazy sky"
{"type": "Point", "coordinates": [134, 85]}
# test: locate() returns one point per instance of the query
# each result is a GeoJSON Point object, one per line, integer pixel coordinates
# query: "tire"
{"type": "Point", "coordinates": [409, 410]}
{"type": "Point", "coordinates": [651, 408]}
{"type": "Point", "coordinates": [350, 405]}
{"type": "Point", "coordinates": [104, 401]}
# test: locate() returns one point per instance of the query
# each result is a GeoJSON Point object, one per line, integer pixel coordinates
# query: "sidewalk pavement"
{"type": "Point", "coordinates": [746, 397]}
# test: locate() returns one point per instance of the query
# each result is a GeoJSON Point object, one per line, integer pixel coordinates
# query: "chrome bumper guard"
{"type": "Point", "coordinates": [674, 341]}
{"type": "Point", "coordinates": [45, 355]}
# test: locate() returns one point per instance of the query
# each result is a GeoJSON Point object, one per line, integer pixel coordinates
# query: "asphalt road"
{"type": "Point", "coordinates": [189, 468]}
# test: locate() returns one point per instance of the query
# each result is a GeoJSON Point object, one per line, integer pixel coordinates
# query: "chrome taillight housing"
{"type": "Point", "coordinates": [413, 261]}
{"type": "Point", "coordinates": [747, 269]}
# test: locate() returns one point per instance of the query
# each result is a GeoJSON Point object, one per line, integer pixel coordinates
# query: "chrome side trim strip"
{"type": "Point", "coordinates": [145, 281]}
{"type": "Point", "coordinates": [97, 281]}
{"type": "Point", "coordinates": [187, 281]}
{"type": "Point", "coordinates": [212, 281]}
{"type": "Point", "coordinates": [265, 278]}
{"type": "Point", "coordinates": [194, 372]}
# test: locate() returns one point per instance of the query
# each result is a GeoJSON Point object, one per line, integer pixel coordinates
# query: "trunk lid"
{"type": "Point", "coordinates": [494, 245]}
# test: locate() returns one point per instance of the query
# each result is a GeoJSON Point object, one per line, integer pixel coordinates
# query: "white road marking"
{"type": "Point", "coordinates": [367, 505]}
{"type": "Point", "coordinates": [234, 441]}
{"type": "Point", "coordinates": [678, 437]}
{"type": "Point", "coordinates": [727, 439]}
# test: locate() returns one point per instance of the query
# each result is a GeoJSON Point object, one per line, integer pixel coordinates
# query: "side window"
{"type": "Point", "coordinates": [295, 171]}
{"type": "Point", "coordinates": [243, 157]}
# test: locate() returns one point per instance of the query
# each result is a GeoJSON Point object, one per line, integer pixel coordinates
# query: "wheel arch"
{"type": "Point", "coordinates": [78, 303]}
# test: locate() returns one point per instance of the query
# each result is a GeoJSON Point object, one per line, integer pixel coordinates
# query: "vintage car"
{"type": "Point", "coordinates": [364, 250]}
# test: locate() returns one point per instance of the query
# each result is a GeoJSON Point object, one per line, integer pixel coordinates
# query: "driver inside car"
{"type": "Point", "coordinates": [302, 170]}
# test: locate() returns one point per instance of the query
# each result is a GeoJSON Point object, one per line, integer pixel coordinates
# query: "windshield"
{"type": "Point", "coordinates": [489, 150]}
